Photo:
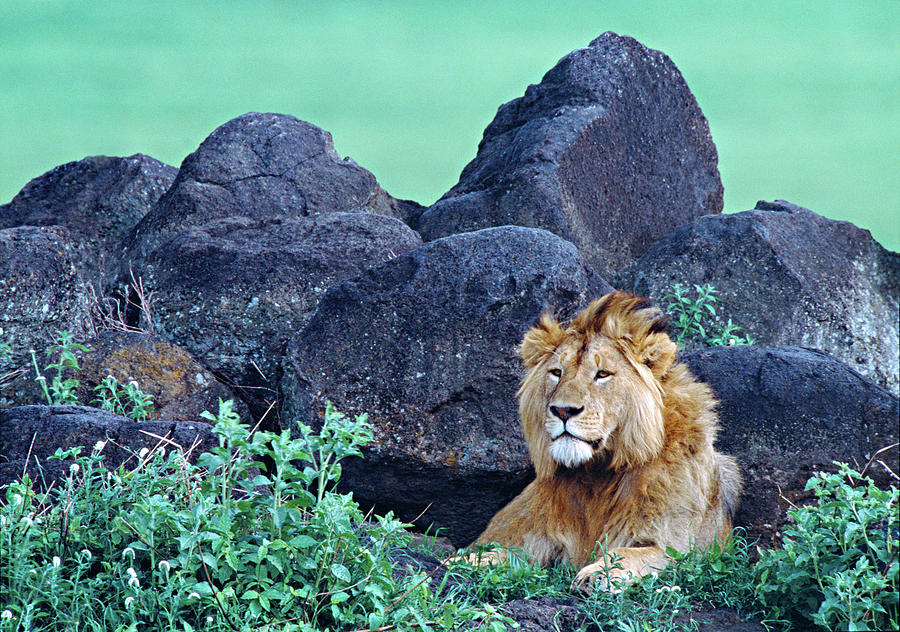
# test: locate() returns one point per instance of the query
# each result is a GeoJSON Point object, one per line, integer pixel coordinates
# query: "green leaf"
{"type": "Point", "coordinates": [303, 542]}
{"type": "Point", "coordinates": [340, 571]}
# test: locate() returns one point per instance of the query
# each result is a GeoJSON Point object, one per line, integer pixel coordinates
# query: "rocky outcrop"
{"type": "Point", "coordinates": [260, 166]}
{"type": "Point", "coordinates": [180, 386]}
{"type": "Point", "coordinates": [787, 413]}
{"type": "Point", "coordinates": [610, 151]}
{"type": "Point", "coordinates": [425, 344]}
{"type": "Point", "coordinates": [98, 199]}
{"type": "Point", "coordinates": [789, 277]}
{"type": "Point", "coordinates": [233, 291]}
{"type": "Point", "coordinates": [29, 435]}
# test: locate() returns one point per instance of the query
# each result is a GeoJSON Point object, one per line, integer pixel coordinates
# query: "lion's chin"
{"type": "Point", "coordinates": [571, 452]}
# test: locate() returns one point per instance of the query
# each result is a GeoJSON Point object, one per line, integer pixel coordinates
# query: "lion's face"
{"type": "Point", "coordinates": [592, 392]}
{"type": "Point", "coordinates": [588, 391]}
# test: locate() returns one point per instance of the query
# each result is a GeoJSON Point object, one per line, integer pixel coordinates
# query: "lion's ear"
{"type": "Point", "coordinates": [541, 340]}
{"type": "Point", "coordinates": [658, 353]}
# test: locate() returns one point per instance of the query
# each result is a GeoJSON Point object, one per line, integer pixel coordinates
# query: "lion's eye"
{"type": "Point", "coordinates": [602, 373]}
{"type": "Point", "coordinates": [555, 372]}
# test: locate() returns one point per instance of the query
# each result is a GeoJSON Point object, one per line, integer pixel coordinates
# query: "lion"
{"type": "Point", "coordinates": [621, 438]}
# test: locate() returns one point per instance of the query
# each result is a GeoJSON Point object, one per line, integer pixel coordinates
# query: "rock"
{"type": "Point", "coordinates": [425, 344]}
{"type": "Point", "coordinates": [35, 432]}
{"type": "Point", "coordinates": [788, 276]}
{"type": "Point", "coordinates": [41, 294]}
{"type": "Point", "coordinates": [787, 413]}
{"type": "Point", "coordinates": [180, 386]}
{"type": "Point", "coordinates": [718, 620]}
{"type": "Point", "coordinates": [233, 291]}
{"type": "Point", "coordinates": [610, 151]}
{"type": "Point", "coordinates": [544, 614]}
{"type": "Point", "coordinates": [98, 199]}
{"type": "Point", "coordinates": [261, 166]}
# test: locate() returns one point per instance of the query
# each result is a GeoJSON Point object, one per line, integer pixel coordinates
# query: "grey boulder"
{"type": "Point", "coordinates": [787, 413]}
{"type": "Point", "coordinates": [788, 276]}
{"type": "Point", "coordinates": [610, 151]}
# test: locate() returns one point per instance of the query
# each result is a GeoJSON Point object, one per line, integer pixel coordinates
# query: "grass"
{"type": "Point", "coordinates": [801, 97]}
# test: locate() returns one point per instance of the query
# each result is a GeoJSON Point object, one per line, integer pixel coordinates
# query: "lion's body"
{"type": "Point", "coordinates": [621, 437]}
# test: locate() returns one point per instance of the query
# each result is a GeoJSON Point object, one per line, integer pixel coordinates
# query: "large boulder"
{"type": "Point", "coordinates": [98, 199]}
{"type": "Point", "coordinates": [787, 413]}
{"type": "Point", "coordinates": [788, 276]}
{"type": "Point", "coordinates": [233, 291]}
{"type": "Point", "coordinates": [29, 435]}
{"type": "Point", "coordinates": [41, 294]}
{"type": "Point", "coordinates": [425, 344]}
{"type": "Point", "coordinates": [610, 151]}
{"type": "Point", "coordinates": [261, 166]}
{"type": "Point", "coordinates": [181, 388]}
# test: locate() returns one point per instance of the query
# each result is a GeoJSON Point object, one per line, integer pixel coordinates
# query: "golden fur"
{"type": "Point", "coordinates": [621, 438]}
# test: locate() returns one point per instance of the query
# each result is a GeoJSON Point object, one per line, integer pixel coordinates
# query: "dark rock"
{"type": "Point", "coordinates": [233, 291]}
{"type": "Point", "coordinates": [98, 199]}
{"type": "Point", "coordinates": [544, 614]}
{"type": "Point", "coordinates": [180, 386]}
{"type": "Point", "coordinates": [41, 294]}
{"type": "Point", "coordinates": [787, 413]}
{"type": "Point", "coordinates": [261, 166]}
{"type": "Point", "coordinates": [610, 151]}
{"type": "Point", "coordinates": [425, 344]}
{"type": "Point", "coordinates": [35, 432]}
{"type": "Point", "coordinates": [718, 620]}
{"type": "Point", "coordinates": [788, 276]}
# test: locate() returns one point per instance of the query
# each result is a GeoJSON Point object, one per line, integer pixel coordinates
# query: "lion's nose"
{"type": "Point", "coordinates": [565, 413]}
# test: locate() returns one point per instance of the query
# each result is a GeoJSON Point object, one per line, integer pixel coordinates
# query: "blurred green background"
{"type": "Point", "coordinates": [803, 98]}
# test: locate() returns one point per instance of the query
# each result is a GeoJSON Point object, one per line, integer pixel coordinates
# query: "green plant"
{"type": "Point", "coordinates": [721, 574]}
{"type": "Point", "coordinates": [838, 567]}
{"type": "Point", "coordinates": [127, 400]}
{"type": "Point", "coordinates": [690, 316]}
{"type": "Point", "coordinates": [517, 577]}
{"type": "Point", "coordinates": [61, 389]}
{"type": "Point", "coordinates": [226, 544]}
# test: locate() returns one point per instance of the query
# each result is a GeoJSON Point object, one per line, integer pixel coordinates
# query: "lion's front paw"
{"type": "Point", "coordinates": [620, 567]}
{"type": "Point", "coordinates": [600, 575]}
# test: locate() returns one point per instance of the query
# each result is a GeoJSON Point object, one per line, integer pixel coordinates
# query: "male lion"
{"type": "Point", "coordinates": [621, 438]}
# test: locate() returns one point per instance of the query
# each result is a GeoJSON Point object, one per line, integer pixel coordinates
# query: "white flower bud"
{"type": "Point", "coordinates": [164, 564]}
{"type": "Point", "coordinates": [56, 561]}
{"type": "Point", "coordinates": [194, 595]}
{"type": "Point", "coordinates": [7, 614]}
{"type": "Point", "coordinates": [128, 601]}
{"type": "Point", "coordinates": [74, 468]}
{"type": "Point", "coordinates": [128, 551]}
